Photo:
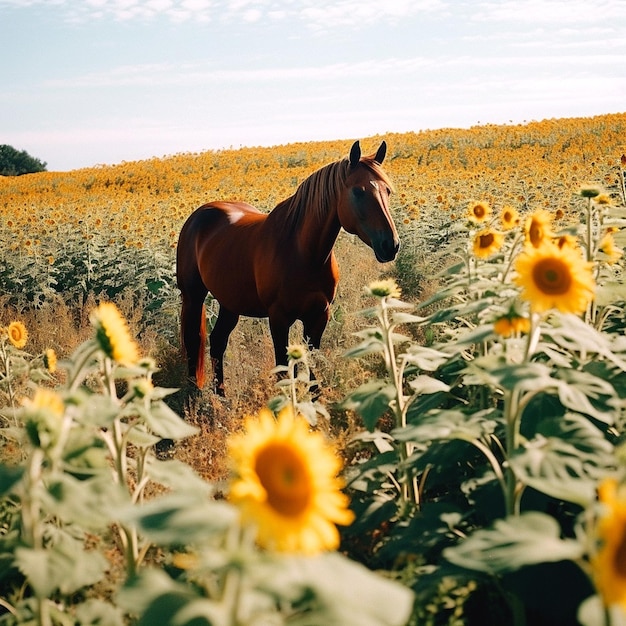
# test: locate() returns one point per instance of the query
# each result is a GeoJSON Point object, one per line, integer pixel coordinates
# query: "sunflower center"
{"type": "Point", "coordinates": [479, 211]}
{"type": "Point", "coordinates": [552, 277]}
{"type": "Point", "coordinates": [486, 240]}
{"type": "Point", "coordinates": [285, 479]}
{"type": "Point", "coordinates": [620, 555]}
{"type": "Point", "coordinates": [535, 234]}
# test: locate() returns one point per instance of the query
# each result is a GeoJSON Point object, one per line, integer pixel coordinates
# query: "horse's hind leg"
{"type": "Point", "coordinates": [226, 322]}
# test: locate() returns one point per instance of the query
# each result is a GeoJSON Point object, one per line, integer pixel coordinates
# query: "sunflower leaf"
{"type": "Point", "coordinates": [512, 543]}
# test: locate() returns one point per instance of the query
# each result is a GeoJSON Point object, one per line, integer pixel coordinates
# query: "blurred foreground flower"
{"type": "Point", "coordinates": [286, 484]}
{"type": "Point", "coordinates": [384, 288]}
{"type": "Point", "coordinates": [538, 227]}
{"type": "Point", "coordinates": [511, 324]}
{"type": "Point", "coordinates": [609, 564]}
{"type": "Point", "coordinates": [553, 277]}
{"type": "Point", "coordinates": [112, 334]}
{"type": "Point", "coordinates": [609, 249]}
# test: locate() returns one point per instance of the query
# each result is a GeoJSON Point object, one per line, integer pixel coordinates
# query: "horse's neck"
{"type": "Point", "coordinates": [312, 233]}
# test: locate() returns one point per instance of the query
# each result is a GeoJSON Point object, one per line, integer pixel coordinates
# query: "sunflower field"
{"type": "Point", "coordinates": [460, 459]}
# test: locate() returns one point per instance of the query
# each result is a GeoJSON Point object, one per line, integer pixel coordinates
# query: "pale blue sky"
{"type": "Point", "coordinates": [86, 82]}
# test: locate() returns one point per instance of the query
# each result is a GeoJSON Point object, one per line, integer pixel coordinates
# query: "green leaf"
{"type": "Point", "coordinates": [348, 593]}
{"type": "Point", "coordinates": [427, 385]}
{"type": "Point", "coordinates": [95, 612]}
{"type": "Point", "coordinates": [65, 566]}
{"type": "Point", "coordinates": [177, 476]}
{"type": "Point", "coordinates": [495, 372]}
{"type": "Point", "coordinates": [180, 518]}
{"type": "Point", "coordinates": [573, 334]}
{"type": "Point", "coordinates": [372, 344]}
{"type": "Point", "coordinates": [426, 359]}
{"type": "Point", "coordinates": [141, 595]}
{"type": "Point", "coordinates": [579, 389]}
{"type": "Point", "coordinates": [83, 502]}
{"type": "Point", "coordinates": [448, 425]}
{"type": "Point", "coordinates": [167, 424]}
{"type": "Point", "coordinates": [565, 459]}
{"type": "Point", "coordinates": [9, 476]}
{"type": "Point", "coordinates": [370, 401]}
{"type": "Point", "coordinates": [514, 542]}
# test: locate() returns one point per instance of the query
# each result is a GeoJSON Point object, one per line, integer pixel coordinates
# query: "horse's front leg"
{"type": "Point", "coordinates": [314, 327]}
{"type": "Point", "coordinates": [279, 328]}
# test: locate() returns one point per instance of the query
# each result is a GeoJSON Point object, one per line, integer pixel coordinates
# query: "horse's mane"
{"type": "Point", "coordinates": [320, 190]}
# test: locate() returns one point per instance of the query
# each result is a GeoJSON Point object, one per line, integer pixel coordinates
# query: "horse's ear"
{"type": "Point", "coordinates": [380, 155]}
{"type": "Point", "coordinates": [355, 154]}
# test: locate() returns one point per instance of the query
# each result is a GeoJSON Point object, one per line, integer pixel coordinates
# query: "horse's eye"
{"type": "Point", "coordinates": [358, 192]}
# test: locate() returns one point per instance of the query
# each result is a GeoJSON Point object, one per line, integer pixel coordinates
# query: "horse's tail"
{"type": "Point", "coordinates": [193, 338]}
{"type": "Point", "coordinates": [201, 350]}
{"type": "Point", "coordinates": [193, 292]}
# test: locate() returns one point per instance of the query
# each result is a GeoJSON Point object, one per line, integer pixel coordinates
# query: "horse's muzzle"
{"type": "Point", "coordinates": [386, 249]}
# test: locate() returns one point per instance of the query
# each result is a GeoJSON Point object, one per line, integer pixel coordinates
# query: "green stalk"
{"type": "Point", "coordinates": [410, 489]}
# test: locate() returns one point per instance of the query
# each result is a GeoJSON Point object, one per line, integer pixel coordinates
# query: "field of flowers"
{"type": "Point", "coordinates": [477, 403]}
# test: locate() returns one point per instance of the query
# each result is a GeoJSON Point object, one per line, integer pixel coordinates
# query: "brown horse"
{"type": "Point", "coordinates": [281, 264]}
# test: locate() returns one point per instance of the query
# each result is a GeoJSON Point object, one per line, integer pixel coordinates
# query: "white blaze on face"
{"type": "Point", "coordinates": [234, 215]}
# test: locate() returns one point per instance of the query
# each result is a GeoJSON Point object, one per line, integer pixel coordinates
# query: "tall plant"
{"type": "Point", "coordinates": [489, 443]}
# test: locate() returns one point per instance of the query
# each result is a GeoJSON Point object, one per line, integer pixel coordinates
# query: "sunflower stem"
{"type": "Point", "coordinates": [410, 487]}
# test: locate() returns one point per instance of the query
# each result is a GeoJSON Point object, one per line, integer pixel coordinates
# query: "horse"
{"type": "Point", "coordinates": [280, 264]}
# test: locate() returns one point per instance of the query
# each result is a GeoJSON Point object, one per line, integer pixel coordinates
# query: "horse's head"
{"type": "Point", "coordinates": [364, 206]}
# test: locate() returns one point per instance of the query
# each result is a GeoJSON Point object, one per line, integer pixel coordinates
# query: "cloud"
{"type": "Point", "coordinates": [316, 14]}
{"type": "Point", "coordinates": [552, 12]}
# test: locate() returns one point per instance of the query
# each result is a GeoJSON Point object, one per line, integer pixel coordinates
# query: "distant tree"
{"type": "Point", "coordinates": [14, 162]}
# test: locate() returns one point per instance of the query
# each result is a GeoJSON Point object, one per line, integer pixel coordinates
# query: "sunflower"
{"type": "Point", "coordinates": [566, 240]}
{"type": "Point", "coordinates": [589, 190]}
{"type": "Point", "coordinates": [538, 227]}
{"type": "Point", "coordinates": [609, 563]}
{"type": "Point", "coordinates": [608, 248]}
{"type": "Point", "coordinates": [384, 288]}
{"type": "Point", "coordinates": [508, 325]}
{"type": "Point", "coordinates": [50, 360]}
{"type": "Point", "coordinates": [46, 400]}
{"type": "Point", "coordinates": [509, 217]}
{"type": "Point", "coordinates": [112, 334]}
{"type": "Point", "coordinates": [286, 484]}
{"type": "Point", "coordinates": [18, 334]}
{"type": "Point", "coordinates": [553, 277]}
{"type": "Point", "coordinates": [487, 242]}
{"type": "Point", "coordinates": [479, 212]}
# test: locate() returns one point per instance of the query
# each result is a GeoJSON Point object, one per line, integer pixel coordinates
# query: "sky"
{"type": "Point", "coordinates": [89, 82]}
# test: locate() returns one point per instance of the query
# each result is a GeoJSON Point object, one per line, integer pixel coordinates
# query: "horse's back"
{"type": "Point", "coordinates": [217, 245]}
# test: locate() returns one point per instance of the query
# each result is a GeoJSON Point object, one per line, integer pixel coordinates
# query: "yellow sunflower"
{"type": "Point", "coordinates": [487, 242]}
{"type": "Point", "coordinates": [50, 360]}
{"type": "Point", "coordinates": [607, 247]}
{"type": "Point", "coordinates": [566, 240]}
{"type": "Point", "coordinates": [509, 217]}
{"type": "Point", "coordinates": [112, 334]}
{"type": "Point", "coordinates": [18, 335]}
{"type": "Point", "coordinates": [479, 212]}
{"type": "Point", "coordinates": [384, 288]}
{"type": "Point", "coordinates": [609, 564]}
{"type": "Point", "coordinates": [508, 325]}
{"type": "Point", "coordinates": [538, 227]}
{"type": "Point", "coordinates": [46, 400]}
{"type": "Point", "coordinates": [553, 277]}
{"type": "Point", "coordinates": [286, 484]}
